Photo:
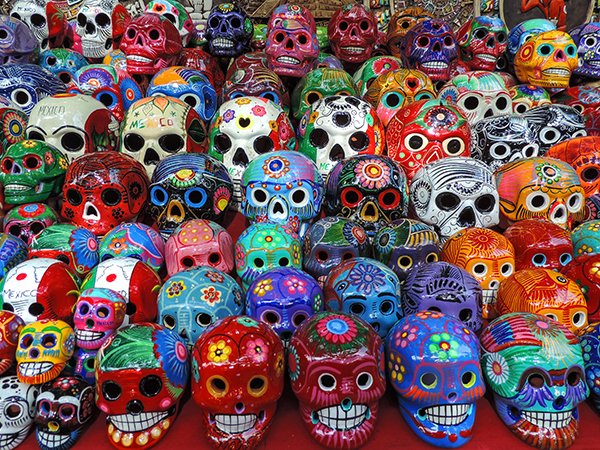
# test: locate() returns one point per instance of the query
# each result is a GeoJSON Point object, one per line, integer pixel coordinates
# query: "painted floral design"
{"type": "Point", "coordinates": [396, 368]}
{"type": "Point", "coordinates": [269, 239]}
{"type": "Point", "coordinates": [367, 278]}
{"type": "Point", "coordinates": [443, 346]}
{"type": "Point", "coordinates": [239, 256]}
{"type": "Point", "coordinates": [372, 174]}
{"type": "Point", "coordinates": [257, 349]}
{"type": "Point", "coordinates": [258, 110]}
{"type": "Point", "coordinates": [219, 352]}
{"type": "Point", "coordinates": [48, 158]}
{"type": "Point", "coordinates": [263, 286]}
{"type": "Point", "coordinates": [276, 167]}
{"type": "Point", "coordinates": [174, 356]}
{"type": "Point", "coordinates": [337, 329]}
{"type": "Point", "coordinates": [221, 199]}
{"type": "Point", "coordinates": [428, 314]}
{"type": "Point", "coordinates": [65, 383]}
{"type": "Point", "coordinates": [497, 368]}
{"type": "Point", "coordinates": [85, 248]}
{"type": "Point", "coordinates": [176, 288]}
{"type": "Point", "coordinates": [243, 101]}
{"type": "Point", "coordinates": [31, 210]}
{"type": "Point", "coordinates": [293, 363]}
{"type": "Point", "coordinates": [63, 164]}
{"type": "Point", "coordinates": [295, 285]}
{"type": "Point", "coordinates": [118, 244]}
{"type": "Point", "coordinates": [211, 295]}
{"type": "Point", "coordinates": [215, 277]}
{"type": "Point", "coordinates": [248, 322]}
{"type": "Point", "coordinates": [406, 335]}
{"type": "Point", "coordinates": [229, 115]}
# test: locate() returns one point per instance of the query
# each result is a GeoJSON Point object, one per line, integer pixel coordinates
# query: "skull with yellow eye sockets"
{"type": "Point", "coordinates": [485, 254]}
{"type": "Point", "coordinates": [525, 96]}
{"type": "Point", "coordinates": [544, 292]}
{"type": "Point", "coordinates": [540, 187]}
{"type": "Point", "coordinates": [426, 131]}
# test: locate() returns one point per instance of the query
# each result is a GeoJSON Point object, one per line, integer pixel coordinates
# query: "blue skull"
{"type": "Point", "coordinates": [63, 63]}
{"type": "Point", "coordinates": [590, 343]}
{"type": "Point", "coordinates": [84, 361]}
{"type": "Point", "coordinates": [27, 84]}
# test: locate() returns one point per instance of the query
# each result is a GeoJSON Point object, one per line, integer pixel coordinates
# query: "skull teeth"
{"type": "Point", "coordinates": [435, 65]}
{"type": "Point", "coordinates": [485, 57]}
{"type": "Point", "coordinates": [557, 72]}
{"type": "Point", "coordinates": [13, 439]}
{"type": "Point", "coordinates": [288, 60]}
{"type": "Point", "coordinates": [222, 42]}
{"type": "Point", "coordinates": [353, 49]}
{"type": "Point", "coordinates": [548, 419]}
{"type": "Point", "coordinates": [593, 63]}
{"type": "Point", "coordinates": [32, 369]}
{"type": "Point", "coordinates": [337, 418]}
{"type": "Point", "coordinates": [85, 335]}
{"type": "Point", "coordinates": [16, 187]}
{"type": "Point", "coordinates": [129, 423]}
{"type": "Point", "coordinates": [447, 415]}
{"type": "Point", "coordinates": [235, 423]}
{"type": "Point", "coordinates": [138, 58]}
{"type": "Point", "coordinates": [51, 440]}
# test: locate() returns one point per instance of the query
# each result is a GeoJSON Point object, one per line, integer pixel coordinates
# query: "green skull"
{"type": "Point", "coordinates": [32, 171]}
{"type": "Point", "coordinates": [371, 69]}
{"type": "Point", "coordinates": [319, 83]}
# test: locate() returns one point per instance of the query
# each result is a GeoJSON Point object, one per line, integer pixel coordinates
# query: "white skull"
{"type": "Point", "coordinates": [94, 27]}
{"type": "Point", "coordinates": [33, 13]}
{"type": "Point", "coordinates": [17, 410]}
{"type": "Point", "coordinates": [455, 193]}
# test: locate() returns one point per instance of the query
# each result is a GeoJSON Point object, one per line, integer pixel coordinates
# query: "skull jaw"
{"type": "Point", "coordinates": [143, 65]}
{"type": "Point", "coordinates": [38, 372]}
{"type": "Point", "coordinates": [56, 441]}
{"type": "Point", "coordinates": [89, 340]}
{"type": "Point", "coordinates": [589, 70]}
{"type": "Point", "coordinates": [11, 440]}
{"type": "Point", "coordinates": [125, 432]}
{"type": "Point", "coordinates": [228, 431]}
{"type": "Point", "coordinates": [36, 193]}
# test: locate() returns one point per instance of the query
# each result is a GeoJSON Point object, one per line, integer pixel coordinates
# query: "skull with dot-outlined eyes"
{"type": "Point", "coordinates": [17, 410]}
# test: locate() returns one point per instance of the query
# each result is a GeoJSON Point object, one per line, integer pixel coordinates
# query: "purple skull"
{"type": "Point", "coordinates": [17, 43]}
{"type": "Point", "coordinates": [228, 31]}
{"type": "Point", "coordinates": [84, 361]}
{"type": "Point", "coordinates": [587, 39]}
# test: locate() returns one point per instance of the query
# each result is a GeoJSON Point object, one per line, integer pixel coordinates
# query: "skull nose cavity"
{"type": "Point", "coordinates": [560, 55]}
{"type": "Point", "coordinates": [452, 396]}
{"type": "Point", "coordinates": [491, 42]}
{"type": "Point", "coordinates": [34, 353]}
{"type": "Point", "coordinates": [559, 402]}
{"type": "Point", "coordinates": [346, 404]}
{"type": "Point", "coordinates": [494, 284]}
{"type": "Point", "coordinates": [134, 407]}
{"type": "Point", "coordinates": [289, 44]}
{"type": "Point", "coordinates": [151, 157]}
{"type": "Point", "coordinates": [285, 335]}
{"type": "Point", "coordinates": [369, 212]}
{"type": "Point", "coordinates": [467, 217]}
{"type": "Point", "coordinates": [90, 28]}
{"type": "Point", "coordinates": [437, 47]}
{"type": "Point", "coordinates": [239, 407]}
{"type": "Point", "coordinates": [16, 169]}
{"type": "Point", "coordinates": [89, 323]}
{"type": "Point", "coordinates": [336, 153]}
{"type": "Point", "coordinates": [240, 158]}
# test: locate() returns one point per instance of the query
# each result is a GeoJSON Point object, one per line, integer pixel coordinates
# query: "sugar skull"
{"type": "Point", "coordinates": [400, 23]}
{"type": "Point", "coordinates": [136, 282]}
{"type": "Point", "coordinates": [99, 312]}
{"type": "Point", "coordinates": [63, 408]}
{"type": "Point", "coordinates": [45, 19]}
{"type": "Point", "coordinates": [244, 128]}
{"type": "Point", "coordinates": [237, 378]}
{"type": "Point", "coordinates": [524, 32]}
{"type": "Point", "coordinates": [257, 81]}
{"type": "Point", "coordinates": [264, 246]}
{"type": "Point", "coordinates": [283, 298]}
{"type": "Point", "coordinates": [84, 364]}
{"type": "Point", "coordinates": [12, 252]}
{"type": "Point", "coordinates": [13, 122]}
{"type": "Point", "coordinates": [525, 96]}
{"type": "Point", "coordinates": [100, 25]}
{"type": "Point", "coordinates": [103, 189]}
{"type": "Point", "coordinates": [485, 254]}
{"type": "Point", "coordinates": [540, 243]}
{"type": "Point", "coordinates": [587, 39]}
{"type": "Point", "coordinates": [540, 187]}
{"type": "Point", "coordinates": [63, 63]}
{"type": "Point", "coordinates": [75, 246]}
{"type": "Point", "coordinates": [328, 242]}
{"type": "Point", "coordinates": [10, 327]}
{"type": "Point", "coordinates": [370, 190]}
{"type": "Point", "coordinates": [73, 123]}
{"type": "Point", "coordinates": [228, 30]}
{"type": "Point", "coordinates": [292, 46]}
{"type": "Point", "coordinates": [17, 410]}
{"type": "Point", "coordinates": [430, 47]}
{"type": "Point", "coordinates": [31, 171]}
{"type": "Point", "coordinates": [433, 364]}
{"type": "Point", "coordinates": [535, 369]}
{"type": "Point", "coordinates": [586, 101]}
{"type": "Point", "coordinates": [134, 240]}
{"type": "Point", "coordinates": [336, 369]}
{"type": "Point", "coordinates": [584, 271]}
{"type": "Point", "coordinates": [586, 238]}
{"type": "Point", "coordinates": [141, 372]}
{"type": "Point", "coordinates": [199, 242]}
{"type": "Point", "coordinates": [44, 348]}
{"type": "Point", "coordinates": [353, 33]}
{"type": "Point", "coordinates": [27, 84]}
{"type": "Point", "coordinates": [192, 300]}
{"type": "Point", "coordinates": [590, 340]}
{"type": "Point", "coordinates": [40, 288]}
{"type": "Point", "coordinates": [196, 58]}
{"type": "Point", "coordinates": [366, 288]}
{"type": "Point", "coordinates": [175, 12]}
{"type": "Point", "coordinates": [371, 69]}
{"type": "Point", "coordinates": [425, 131]}
{"type": "Point", "coordinates": [482, 42]}
{"type": "Point", "coordinates": [18, 44]}
{"type": "Point", "coordinates": [251, 59]}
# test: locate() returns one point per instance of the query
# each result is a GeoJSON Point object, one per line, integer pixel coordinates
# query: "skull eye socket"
{"type": "Point", "coordinates": [574, 377]}
{"type": "Point", "coordinates": [158, 196]}
{"type": "Point", "coordinates": [130, 32]}
{"type": "Point", "coordinates": [571, 50]}
{"type": "Point", "coordinates": [539, 259]}
{"type": "Point", "coordinates": [84, 308]}
{"type": "Point", "coordinates": [500, 150]}
{"type": "Point", "coordinates": [37, 20]}
{"type": "Point", "coordinates": [574, 202]}
{"type": "Point", "coordinates": [480, 33]}
{"type": "Point", "coordinates": [392, 100]}
{"type": "Point", "coordinates": [565, 259]}
{"type": "Point", "coordinates": [364, 381]}
{"type": "Point", "coordinates": [279, 37]}
{"type": "Point", "coordinates": [364, 25]}
{"type": "Point", "coordinates": [171, 143]}
{"type": "Point", "coordinates": [81, 20]}
{"type": "Point", "coordinates": [327, 382]}
{"type": "Point", "coordinates": [222, 143]}
{"type": "Point", "coordinates": [346, 256]}
{"type": "Point", "coordinates": [465, 314]}
{"type": "Point", "coordinates": [257, 386]}
{"type": "Point", "coordinates": [150, 385]}
{"type": "Point", "coordinates": [103, 312]}
{"type": "Point", "coordinates": [485, 203]}
{"type": "Point", "coordinates": [21, 97]}
{"type": "Point", "coordinates": [214, 259]}
{"type": "Point", "coordinates": [545, 49]}
{"type": "Point", "coordinates": [501, 37]}
{"type": "Point", "coordinates": [187, 262]}
{"type": "Point", "coordinates": [26, 341]}
{"type": "Point", "coordinates": [203, 319]}
{"type": "Point", "coordinates": [111, 196]}
{"type": "Point", "coordinates": [133, 142]}
{"type": "Point", "coordinates": [447, 201]}
{"type": "Point", "coordinates": [284, 262]}
{"type": "Point", "coordinates": [405, 262]}
{"type": "Point", "coordinates": [303, 39]}
{"type": "Point", "coordinates": [13, 411]}
{"type": "Point", "coordinates": [111, 391]}
{"type": "Point", "coordinates": [429, 380]}
{"type": "Point", "coordinates": [43, 407]}
{"type": "Point", "coordinates": [448, 41]}
{"type": "Point", "coordinates": [214, 22]}
{"type": "Point", "coordinates": [72, 142]}
{"type": "Point", "coordinates": [263, 144]}
{"type": "Point", "coordinates": [48, 340]}
{"type": "Point", "coordinates": [15, 230]}
{"type": "Point", "coordinates": [89, 363]}
{"type": "Point", "coordinates": [35, 136]}
{"type": "Point", "coordinates": [357, 308]}
{"type": "Point", "coordinates": [258, 262]}
{"type": "Point", "coordinates": [299, 318]}
{"type": "Point", "coordinates": [154, 34]}
{"type": "Point", "coordinates": [299, 197]}
{"type": "Point", "coordinates": [358, 141]}
{"type": "Point", "coordinates": [322, 256]}
{"type": "Point", "coordinates": [195, 197]}
{"type": "Point", "coordinates": [432, 257]}
{"type": "Point", "coordinates": [32, 162]}
{"type": "Point", "coordinates": [169, 321]}
{"type": "Point", "coordinates": [259, 196]}
{"type": "Point", "coordinates": [386, 307]}
{"type": "Point", "coordinates": [66, 412]}
{"type": "Point", "coordinates": [351, 197]}
{"type": "Point", "coordinates": [453, 146]}
{"type": "Point", "coordinates": [423, 41]}
{"type": "Point", "coordinates": [236, 22]}
{"type": "Point", "coordinates": [590, 41]}
{"type": "Point", "coordinates": [471, 102]}
{"type": "Point", "coordinates": [480, 269]}
{"type": "Point", "coordinates": [578, 320]}
{"type": "Point", "coordinates": [102, 20]}
{"type": "Point", "coordinates": [501, 103]}
{"type": "Point", "coordinates": [217, 386]}
{"type": "Point", "coordinates": [549, 135]}
{"type": "Point", "coordinates": [389, 199]}
{"type": "Point", "coordinates": [270, 317]}
{"type": "Point", "coordinates": [318, 138]}
{"type": "Point", "coordinates": [312, 97]}
{"type": "Point", "coordinates": [536, 380]}
{"type": "Point", "coordinates": [521, 108]}
{"type": "Point", "coordinates": [415, 142]}
{"type": "Point", "coordinates": [343, 25]}
{"type": "Point", "coordinates": [537, 201]}
{"type": "Point", "coordinates": [468, 379]}
{"type": "Point", "coordinates": [7, 165]}
{"type": "Point", "coordinates": [590, 174]}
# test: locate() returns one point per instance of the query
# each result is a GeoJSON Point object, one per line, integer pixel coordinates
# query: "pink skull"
{"type": "Point", "coordinates": [98, 313]}
{"type": "Point", "coordinates": [353, 33]}
{"type": "Point", "coordinates": [292, 46]}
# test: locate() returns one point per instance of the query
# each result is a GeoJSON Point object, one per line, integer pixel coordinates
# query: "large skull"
{"type": "Point", "coordinates": [17, 43]}
{"type": "Point", "coordinates": [45, 19]}
{"type": "Point", "coordinates": [17, 410]}
{"type": "Point", "coordinates": [228, 31]}
{"type": "Point", "coordinates": [27, 84]}
{"type": "Point", "coordinates": [353, 33]}
{"type": "Point", "coordinates": [100, 25]}
{"type": "Point", "coordinates": [483, 40]}
{"type": "Point", "coordinates": [29, 220]}
{"type": "Point", "coordinates": [99, 312]}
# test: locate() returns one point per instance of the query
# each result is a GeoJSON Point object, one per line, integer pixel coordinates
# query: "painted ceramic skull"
{"type": "Point", "coordinates": [583, 271]}
{"type": "Point", "coordinates": [196, 58]}
{"type": "Point", "coordinates": [12, 252]}
{"type": "Point", "coordinates": [339, 127]}
{"type": "Point", "coordinates": [524, 32]}
{"type": "Point", "coordinates": [336, 368]}
{"type": "Point", "coordinates": [141, 372]}
{"type": "Point", "coordinates": [400, 23]}
{"type": "Point", "coordinates": [100, 25]}
{"type": "Point", "coordinates": [27, 84]}
{"type": "Point", "coordinates": [64, 63]}
{"type": "Point", "coordinates": [17, 410]}
{"type": "Point", "coordinates": [292, 46]}
{"type": "Point", "coordinates": [485, 254]}
{"type": "Point", "coordinates": [44, 348]}
{"type": "Point", "coordinates": [328, 242]}
{"type": "Point", "coordinates": [134, 240]}
{"type": "Point", "coordinates": [13, 122]}
{"type": "Point", "coordinates": [371, 69]}
{"type": "Point", "coordinates": [586, 238]}
{"type": "Point", "coordinates": [192, 300]}
{"type": "Point", "coordinates": [10, 327]}
{"type": "Point", "coordinates": [366, 288]}
{"type": "Point", "coordinates": [40, 288]}
{"type": "Point", "coordinates": [98, 313]}
{"type": "Point", "coordinates": [433, 365]}
{"type": "Point", "coordinates": [535, 369]}
{"type": "Point", "coordinates": [256, 81]}
{"type": "Point", "coordinates": [237, 378]}
{"type": "Point", "coordinates": [525, 96]}
{"type": "Point", "coordinates": [426, 131]}
{"type": "Point", "coordinates": [28, 221]}
{"type": "Point", "coordinates": [370, 190]}
{"type": "Point", "coordinates": [175, 12]}
{"type": "Point", "coordinates": [587, 39]}
{"type": "Point", "coordinates": [45, 19]}
{"type": "Point", "coordinates": [228, 30]}
{"type": "Point", "coordinates": [482, 41]}
{"type": "Point", "coordinates": [590, 341]}
{"type": "Point", "coordinates": [353, 33]}
{"type": "Point", "coordinates": [18, 44]}
{"type": "Point", "coordinates": [84, 362]}
{"type": "Point", "coordinates": [63, 408]}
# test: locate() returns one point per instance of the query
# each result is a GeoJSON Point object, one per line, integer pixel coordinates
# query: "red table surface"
{"type": "Point", "coordinates": [288, 431]}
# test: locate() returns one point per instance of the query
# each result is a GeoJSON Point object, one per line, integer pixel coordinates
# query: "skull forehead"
{"type": "Point", "coordinates": [11, 389]}
{"type": "Point", "coordinates": [247, 116]}
{"type": "Point", "coordinates": [157, 115]}
{"type": "Point", "coordinates": [361, 269]}
{"type": "Point", "coordinates": [435, 114]}
{"type": "Point", "coordinates": [539, 288]}
{"type": "Point", "coordinates": [281, 168]}
{"type": "Point", "coordinates": [52, 113]}
{"type": "Point", "coordinates": [476, 242]}
{"type": "Point", "coordinates": [461, 175]}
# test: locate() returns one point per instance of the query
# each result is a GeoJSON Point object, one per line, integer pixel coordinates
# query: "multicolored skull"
{"type": "Point", "coordinates": [540, 187]}
{"type": "Point", "coordinates": [196, 58]}
{"type": "Point", "coordinates": [370, 190]}
{"type": "Point", "coordinates": [98, 313]}
{"type": "Point", "coordinates": [176, 13]}
{"type": "Point", "coordinates": [366, 288]}
{"type": "Point", "coordinates": [13, 122]}
{"type": "Point", "coordinates": [485, 254]}
{"type": "Point", "coordinates": [13, 251]}
{"type": "Point", "coordinates": [10, 327]}
{"type": "Point", "coordinates": [400, 23]}
{"type": "Point", "coordinates": [134, 240]}
{"type": "Point", "coordinates": [63, 63]}
{"type": "Point", "coordinates": [141, 371]}
{"type": "Point", "coordinates": [353, 33]}
{"type": "Point", "coordinates": [228, 31]}
{"type": "Point", "coordinates": [590, 341]}
{"type": "Point", "coordinates": [586, 101]}
{"type": "Point", "coordinates": [587, 39]}
{"type": "Point", "coordinates": [433, 365]}
{"type": "Point", "coordinates": [237, 378]}
{"type": "Point", "coordinates": [17, 410]}
{"type": "Point", "coordinates": [425, 131]}
{"type": "Point", "coordinates": [44, 348]}
{"type": "Point", "coordinates": [336, 368]}
{"type": "Point", "coordinates": [63, 408]}
{"type": "Point", "coordinates": [524, 32]}
{"type": "Point", "coordinates": [28, 221]}
{"type": "Point", "coordinates": [535, 369]}
{"type": "Point", "coordinates": [100, 25]}
{"type": "Point", "coordinates": [84, 362]}
{"type": "Point", "coordinates": [583, 270]}
{"type": "Point", "coordinates": [18, 44]}
{"type": "Point", "coordinates": [525, 96]}
{"type": "Point", "coordinates": [103, 189]}
{"type": "Point", "coordinates": [40, 288]}
{"type": "Point", "coordinates": [292, 46]}
{"type": "Point", "coordinates": [256, 81]}
{"type": "Point", "coordinates": [371, 69]}
{"type": "Point", "coordinates": [27, 84]}
{"type": "Point", "coordinates": [264, 246]}
{"type": "Point", "coordinates": [586, 238]}
{"type": "Point", "coordinates": [482, 40]}
{"type": "Point", "coordinates": [46, 20]}
{"type": "Point", "coordinates": [192, 300]}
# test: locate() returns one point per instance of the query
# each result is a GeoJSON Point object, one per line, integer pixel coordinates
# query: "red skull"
{"type": "Point", "coordinates": [198, 59]}
{"type": "Point", "coordinates": [10, 327]}
{"type": "Point", "coordinates": [584, 271]}
{"type": "Point", "coordinates": [151, 43]}
{"type": "Point", "coordinates": [103, 189]}
{"type": "Point", "coordinates": [353, 33]}
{"type": "Point", "coordinates": [237, 378]}
{"type": "Point", "coordinates": [247, 60]}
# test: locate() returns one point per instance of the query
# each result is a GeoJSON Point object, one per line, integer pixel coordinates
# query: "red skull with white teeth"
{"type": "Point", "coordinates": [353, 33]}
